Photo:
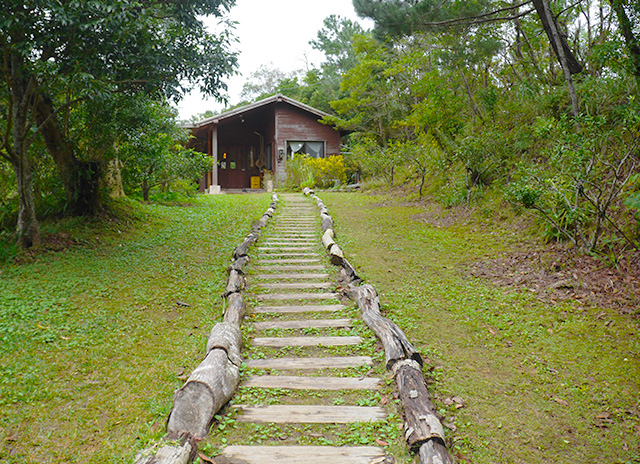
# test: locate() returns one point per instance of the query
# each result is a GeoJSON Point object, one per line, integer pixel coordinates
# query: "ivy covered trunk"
{"type": "Point", "coordinates": [81, 179]}
{"type": "Point", "coordinates": [27, 229]}
{"type": "Point", "coordinates": [22, 95]}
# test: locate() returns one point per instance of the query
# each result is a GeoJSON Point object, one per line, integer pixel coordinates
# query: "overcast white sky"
{"type": "Point", "coordinates": [272, 31]}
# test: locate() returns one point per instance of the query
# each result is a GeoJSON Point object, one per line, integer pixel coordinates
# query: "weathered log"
{"type": "Point", "coordinates": [210, 386]}
{"type": "Point", "coordinates": [238, 264]}
{"type": "Point", "coordinates": [328, 238]}
{"type": "Point", "coordinates": [168, 454]}
{"type": "Point", "coordinates": [236, 310]}
{"type": "Point", "coordinates": [228, 337]}
{"type": "Point", "coordinates": [396, 345]}
{"type": "Point", "coordinates": [327, 222]}
{"type": "Point", "coordinates": [242, 249]}
{"type": "Point", "coordinates": [434, 452]}
{"type": "Point", "coordinates": [252, 237]}
{"type": "Point", "coordinates": [336, 254]}
{"type": "Point", "coordinates": [235, 284]}
{"type": "Point", "coordinates": [350, 272]}
{"type": "Point", "coordinates": [260, 224]}
{"type": "Point", "coordinates": [421, 421]}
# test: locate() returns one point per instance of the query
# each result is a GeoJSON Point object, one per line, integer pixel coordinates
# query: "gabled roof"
{"type": "Point", "coordinates": [252, 106]}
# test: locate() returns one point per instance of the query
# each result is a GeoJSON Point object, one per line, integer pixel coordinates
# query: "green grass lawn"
{"type": "Point", "coordinates": [540, 383]}
{"type": "Point", "coordinates": [92, 340]}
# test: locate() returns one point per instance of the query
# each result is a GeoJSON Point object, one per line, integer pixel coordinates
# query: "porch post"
{"type": "Point", "coordinates": [214, 188]}
{"type": "Point", "coordinates": [214, 154]}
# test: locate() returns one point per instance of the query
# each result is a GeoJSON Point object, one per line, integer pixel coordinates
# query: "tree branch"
{"type": "Point", "coordinates": [483, 18]}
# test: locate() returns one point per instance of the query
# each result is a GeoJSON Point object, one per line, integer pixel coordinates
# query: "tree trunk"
{"type": "Point", "coordinates": [567, 60]}
{"type": "Point", "coordinates": [22, 94]}
{"type": "Point", "coordinates": [633, 43]}
{"type": "Point", "coordinates": [560, 46]}
{"type": "Point", "coordinates": [145, 190]}
{"type": "Point", "coordinates": [113, 179]}
{"type": "Point", "coordinates": [27, 229]}
{"type": "Point", "coordinates": [81, 179]}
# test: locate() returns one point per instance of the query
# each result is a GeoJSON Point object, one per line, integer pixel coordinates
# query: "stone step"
{"type": "Point", "coordinates": [298, 248]}
{"type": "Point", "coordinates": [291, 276]}
{"type": "Point", "coordinates": [307, 267]}
{"type": "Point", "coordinates": [309, 414]}
{"type": "Point", "coordinates": [300, 455]}
{"type": "Point", "coordinates": [264, 261]}
{"type": "Point", "coordinates": [297, 296]}
{"type": "Point", "coordinates": [294, 254]}
{"type": "Point", "coordinates": [331, 362]}
{"type": "Point", "coordinates": [288, 309]}
{"type": "Point", "coordinates": [281, 342]}
{"type": "Point", "coordinates": [293, 382]}
{"type": "Point", "coordinates": [303, 324]}
{"type": "Point", "coordinates": [293, 236]}
{"type": "Point", "coordinates": [299, 285]}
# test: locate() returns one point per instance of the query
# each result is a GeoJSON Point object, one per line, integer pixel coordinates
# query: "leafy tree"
{"type": "Point", "coordinates": [57, 54]}
{"type": "Point", "coordinates": [267, 81]}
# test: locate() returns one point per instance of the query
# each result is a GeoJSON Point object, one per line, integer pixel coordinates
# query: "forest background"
{"type": "Point", "coordinates": [532, 104]}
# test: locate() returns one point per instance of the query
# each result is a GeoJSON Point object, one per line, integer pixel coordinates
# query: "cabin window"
{"type": "Point", "coordinates": [313, 149]}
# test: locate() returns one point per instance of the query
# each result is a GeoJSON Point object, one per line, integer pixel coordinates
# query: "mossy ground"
{"type": "Point", "coordinates": [541, 382]}
{"type": "Point", "coordinates": [93, 339]}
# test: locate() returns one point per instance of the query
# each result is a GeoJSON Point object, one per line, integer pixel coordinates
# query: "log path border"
{"type": "Point", "coordinates": [424, 433]}
{"type": "Point", "coordinates": [214, 382]}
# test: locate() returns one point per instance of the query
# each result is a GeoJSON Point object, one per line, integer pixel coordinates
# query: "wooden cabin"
{"type": "Point", "coordinates": [253, 143]}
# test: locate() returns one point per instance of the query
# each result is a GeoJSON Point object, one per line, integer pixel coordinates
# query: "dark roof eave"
{"type": "Point", "coordinates": [251, 106]}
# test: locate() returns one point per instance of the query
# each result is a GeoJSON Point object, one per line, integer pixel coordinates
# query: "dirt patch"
{"type": "Point", "coordinates": [557, 273]}
{"type": "Point", "coordinates": [437, 216]}
{"type": "Point", "coordinates": [49, 243]}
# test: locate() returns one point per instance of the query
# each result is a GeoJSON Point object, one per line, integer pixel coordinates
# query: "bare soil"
{"type": "Point", "coordinates": [556, 273]}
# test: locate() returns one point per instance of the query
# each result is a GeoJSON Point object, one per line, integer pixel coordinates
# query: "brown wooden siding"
{"type": "Point", "coordinates": [295, 124]}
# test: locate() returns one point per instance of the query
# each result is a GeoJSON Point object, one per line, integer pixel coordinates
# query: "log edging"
{"type": "Point", "coordinates": [212, 384]}
{"type": "Point", "coordinates": [424, 433]}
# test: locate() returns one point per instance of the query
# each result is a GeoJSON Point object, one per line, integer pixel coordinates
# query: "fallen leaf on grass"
{"type": "Point", "coordinates": [454, 400]}
{"type": "Point", "coordinates": [560, 401]}
{"type": "Point", "coordinates": [382, 442]}
{"type": "Point", "coordinates": [182, 303]}
{"type": "Point", "coordinates": [206, 458]}
{"type": "Point", "coordinates": [451, 426]}
{"type": "Point", "coordinates": [384, 400]}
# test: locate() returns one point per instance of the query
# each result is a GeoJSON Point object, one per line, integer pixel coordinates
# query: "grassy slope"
{"type": "Point", "coordinates": [534, 377]}
{"type": "Point", "coordinates": [92, 340]}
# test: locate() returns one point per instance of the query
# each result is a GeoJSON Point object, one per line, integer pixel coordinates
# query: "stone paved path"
{"type": "Point", "coordinates": [294, 293]}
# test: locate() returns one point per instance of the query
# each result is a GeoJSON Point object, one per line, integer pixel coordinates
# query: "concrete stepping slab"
{"type": "Point", "coordinates": [297, 296]}
{"type": "Point", "coordinates": [281, 342]}
{"type": "Point", "coordinates": [331, 362]}
{"type": "Point", "coordinates": [264, 261]}
{"type": "Point", "coordinates": [298, 309]}
{"type": "Point", "coordinates": [291, 254]}
{"type": "Point", "coordinates": [303, 324]}
{"type": "Point", "coordinates": [301, 276]}
{"type": "Point", "coordinates": [300, 455]}
{"type": "Point", "coordinates": [309, 267]}
{"type": "Point", "coordinates": [313, 383]}
{"type": "Point", "coordinates": [309, 414]}
{"type": "Point", "coordinates": [297, 286]}
{"type": "Point", "coordinates": [289, 248]}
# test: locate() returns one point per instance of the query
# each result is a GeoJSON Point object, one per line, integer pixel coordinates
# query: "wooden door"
{"type": "Point", "coordinates": [233, 169]}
